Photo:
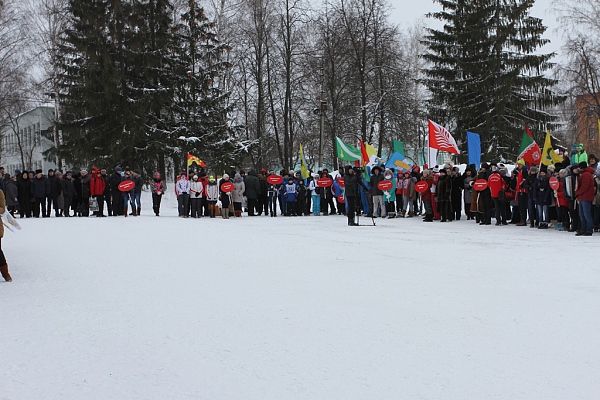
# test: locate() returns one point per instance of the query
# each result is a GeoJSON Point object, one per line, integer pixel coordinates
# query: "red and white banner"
{"type": "Point", "coordinates": [441, 139]}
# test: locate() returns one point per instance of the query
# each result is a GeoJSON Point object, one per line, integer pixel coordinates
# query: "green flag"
{"type": "Point", "coordinates": [345, 151]}
{"type": "Point", "coordinates": [399, 147]}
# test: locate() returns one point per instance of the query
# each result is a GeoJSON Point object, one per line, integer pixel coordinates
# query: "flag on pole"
{"type": "Point", "coordinates": [193, 159]}
{"type": "Point", "coordinates": [474, 148]}
{"type": "Point", "coordinates": [529, 151]}
{"type": "Point", "coordinates": [346, 152]}
{"type": "Point", "coordinates": [398, 162]}
{"type": "Point", "coordinates": [303, 169]}
{"type": "Point", "coordinates": [399, 147]}
{"type": "Point", "coordinates": [549, 156]}
{"type": "Point", "coordinates": [441, 139]}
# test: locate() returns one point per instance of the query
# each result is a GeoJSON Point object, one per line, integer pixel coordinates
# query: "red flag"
{"type": "Point", "coordinates": [365, 156]}
{"type": "Point", "coordinates": [530, 151]}
{"type": "Point", "coordinates": [441, 139]}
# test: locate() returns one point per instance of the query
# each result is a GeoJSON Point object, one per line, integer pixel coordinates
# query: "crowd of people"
{"type": "Point", "coordinates": [523, 195]}
{"type": "Point", "coordinates": [519, 196]}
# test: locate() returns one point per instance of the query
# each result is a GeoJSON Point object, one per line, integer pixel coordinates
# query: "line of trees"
{"type": "Point", "coordinates": [242, 84]}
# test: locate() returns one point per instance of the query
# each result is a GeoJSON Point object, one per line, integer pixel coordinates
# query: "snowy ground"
{"type": "Point", "coordinates": [297, 308]}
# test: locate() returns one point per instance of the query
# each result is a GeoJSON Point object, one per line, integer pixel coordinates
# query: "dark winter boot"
{"type": "Point", "coordinates": [139, 211]}
{"type": "Point", "coordinates": [5, 274]}
{"type": "Point", "coordinates": [134, 212]}
{"type": "Point", "coordinates": [125, 212]}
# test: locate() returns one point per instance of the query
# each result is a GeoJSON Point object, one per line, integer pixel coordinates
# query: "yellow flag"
{"type": "Point", "coordinates": [303, 168]}
{"type": "Point", "coordinates": [549, 156]}
{"type": "Point", "coordinates": [370, 150]}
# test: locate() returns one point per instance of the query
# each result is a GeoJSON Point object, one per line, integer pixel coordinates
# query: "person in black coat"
{"type": "Point", "coordinates": [68, 191]}
{"type": "Point", "coordinates": [456, 195]}
{"type": "Point", "coordinates": [107, 195]}
{"type": "Point", "coordinates": [252, 185]}
{"type": "Point", "coordinates": [24, 189]}
{"type": "Point", "coordinates": [52, 199]}
{"type": "Point", "coordinates": [40, 188]}
{"type": "Point", "coordinates": [352, 181]}
{"type": "Point", "coordinates": [115, 193]}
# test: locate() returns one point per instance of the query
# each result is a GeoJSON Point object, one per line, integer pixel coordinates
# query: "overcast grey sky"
{"type": "Point", "coordinates": [408, 11]}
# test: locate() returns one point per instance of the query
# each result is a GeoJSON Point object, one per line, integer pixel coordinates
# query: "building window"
{"type": "Point", "coordinates": [592, 131]}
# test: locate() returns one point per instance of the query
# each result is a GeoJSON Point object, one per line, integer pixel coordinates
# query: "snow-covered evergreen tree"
{"type": "Point", "coordinates": [486, 74]}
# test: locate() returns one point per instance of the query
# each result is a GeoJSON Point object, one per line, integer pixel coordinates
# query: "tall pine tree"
{"type": "Point", "coordinates": [486, 75]}
{"type": "Point", "coordinates": [201, 109]}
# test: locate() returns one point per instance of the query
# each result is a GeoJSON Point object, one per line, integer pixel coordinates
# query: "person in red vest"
{"type": "Point", "coordinates": [97, 186]}
{"type": "Point", "coordinates": [496, 184]}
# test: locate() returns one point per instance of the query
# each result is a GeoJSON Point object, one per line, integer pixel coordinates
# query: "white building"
{"type": "Point", "coordinates": [26, 139]}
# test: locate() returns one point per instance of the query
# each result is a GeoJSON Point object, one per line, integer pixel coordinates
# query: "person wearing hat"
{"type": "Point", "coordinates": [182, 191]}
{"type": "Point", "coordinates": [580, 155]}
{"type": "Point", "coordinates": [327, 203]}
{"type": "Point", "coordinates": [252, 192]}
{"type": "Point", "coordinates": [40, 188]}
{"type": "Point", "coordinates": [263, 196]}
{"type": "Point", "coordinates": [158, 187]}
{"type": "Point", "coordinates": [527, 186]}
{"type": "Point", "coordinates": [352, 181]}
{"type": "Point", "coordinates": [107, 191]}
{"type": "Point", "coordinates": [569, 187]}
{"type": "Point", "coordinates": [456, 196]}
{"type": "Point", "coordinates": [562, 203]}
{"type": "Point", "coordinates": [97, 186]}
{"type": "Point", "coordinates": [196, 191]}
{"type": "Point", "coordinates": [212, 196]}
{"type": "Point", "coordinates": [86, 181]}
{"type": "Point", "coordinates": [52, 197]}
{"type": "Point", "coordinates": [11, 193]}
{"type": "Point", "coordinates": [377, 193]}
{"type": "Point", "coordinates": [136, 193]}
{"type": "Point", "coordinates": [237, 196]}
{"type": "Point", "coordinates": [225, 197]}
{"type": "Point", "coordinates": [585, 195]}
{"type": "Point", "coordinates": [427, 195]}
{"type": "Point", "coordinates": [68, 192]}
{"type": "Point", "coordinates": [315, 194]}
{"type": "Point", "coordinates": [115, 194]}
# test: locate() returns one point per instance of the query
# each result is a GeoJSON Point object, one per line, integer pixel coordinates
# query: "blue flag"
{"type": "Point", "coordinates": [398, 162]}
{"type": "Point", "coordinates": [474, 148]}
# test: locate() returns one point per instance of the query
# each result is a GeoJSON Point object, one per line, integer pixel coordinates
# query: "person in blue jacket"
{"type": "Point", "coordinates": [290, 194]}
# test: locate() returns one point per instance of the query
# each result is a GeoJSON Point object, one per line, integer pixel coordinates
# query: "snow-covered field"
{"type": "Point", "coordinates": [297, 308]}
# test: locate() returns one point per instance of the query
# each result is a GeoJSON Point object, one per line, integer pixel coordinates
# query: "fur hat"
{"type": "Point", "coordinates": [375, 168]}
{"type": "Point", "coordinates": [583, 165]}
{"type": "Point", "coordinates": [39, 171]}
{"type": "Point", "coordinates": [225, 176]}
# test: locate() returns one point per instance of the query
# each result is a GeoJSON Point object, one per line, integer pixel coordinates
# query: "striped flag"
{"type": "Point", "coordinates": [441, 139]}
{"type": "Point", "coordinates": [193, 159]}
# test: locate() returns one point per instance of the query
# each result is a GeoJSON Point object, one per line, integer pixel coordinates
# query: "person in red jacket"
{"type": "Point", "coordinates": [496, 183]}
{"type": "Point", "coordinates": [97, 186]}
{"type": "Point", "coordinates": [427, 196]}
{"type": "Point", "coordinates": [562, 203]}
{"type": "Point", "coordinates": [585, 195]}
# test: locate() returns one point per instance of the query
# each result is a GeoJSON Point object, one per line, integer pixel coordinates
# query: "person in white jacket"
{"type": "Point", "coordinates": [238, 194]}
{"type": "Point", "coordinates": [182, 190]}
{"type": "Point", "coordinates": [212, 196]}
{"type": "Point", "coordinates": [315, 195]}
{"type": "Point", "coordinates": [196, 189]}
